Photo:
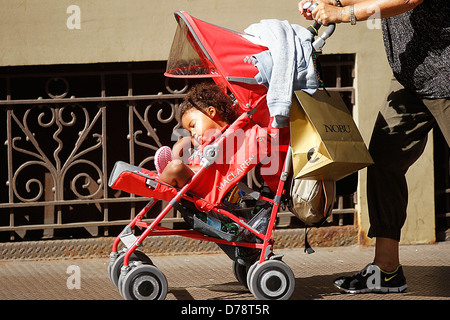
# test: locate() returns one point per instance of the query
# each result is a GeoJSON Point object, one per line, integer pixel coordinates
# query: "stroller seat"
{"type": "Point", "coordinates": [143, 182]}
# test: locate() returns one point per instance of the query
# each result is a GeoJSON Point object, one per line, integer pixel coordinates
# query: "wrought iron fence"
{"type": "Point", "coordinates": [64, 130]}
{"type": "Point", "coordinates": [64, 127]}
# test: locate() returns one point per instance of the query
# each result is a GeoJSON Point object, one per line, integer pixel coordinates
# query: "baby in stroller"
{"type": "Point", "coordinates": [205, 110]}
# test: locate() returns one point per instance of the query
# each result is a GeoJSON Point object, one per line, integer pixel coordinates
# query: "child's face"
{"type": "Point", "coordinates": [201, 125]}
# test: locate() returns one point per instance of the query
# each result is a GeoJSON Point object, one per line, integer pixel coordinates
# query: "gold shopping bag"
{"type": "Point", "coordinates": [326, 144]}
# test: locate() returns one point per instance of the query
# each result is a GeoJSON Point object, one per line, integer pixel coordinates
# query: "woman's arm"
{"type": "Point", "coordinates": [328, 11]}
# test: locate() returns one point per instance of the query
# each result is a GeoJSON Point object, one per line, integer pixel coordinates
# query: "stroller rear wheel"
{"type": "Point", "coordinates": [144, 282]}
{"type": "Point", "coordinates": [115, 265]}
{"type": "Point", "coordinates": [271, 280]}
{"type": "Point", "coordinates": [240, 272]}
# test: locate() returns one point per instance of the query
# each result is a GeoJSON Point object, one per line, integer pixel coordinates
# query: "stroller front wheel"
{"type": "Point", "coordinates": [271, 280]}
{"type": "Point", "coordinates": [115, 266]}
{"type": "Point", "coordinates": [144, 282]}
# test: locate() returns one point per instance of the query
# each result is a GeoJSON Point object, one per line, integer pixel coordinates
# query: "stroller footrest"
{"type": "Point", "coordinates": [139, 181]}
{"type": "Point", "coordinates": [119, 168]}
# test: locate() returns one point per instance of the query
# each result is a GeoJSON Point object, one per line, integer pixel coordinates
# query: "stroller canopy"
{"type": "Point", "coordinates": [204, 50]}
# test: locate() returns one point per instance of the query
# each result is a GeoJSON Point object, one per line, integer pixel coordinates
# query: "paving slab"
{"type": "Point", "coordinates": [208, 276]}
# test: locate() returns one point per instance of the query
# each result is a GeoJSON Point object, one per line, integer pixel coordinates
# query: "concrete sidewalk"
{"type": "Point", "coordinates": [209, 276]}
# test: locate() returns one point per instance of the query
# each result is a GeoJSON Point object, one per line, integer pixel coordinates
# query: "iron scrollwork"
{"type": "Point", "coordinates": [47, 155]}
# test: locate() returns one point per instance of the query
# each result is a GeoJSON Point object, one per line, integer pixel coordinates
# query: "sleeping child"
{"type": "Point", "coordinates": [206, 109]}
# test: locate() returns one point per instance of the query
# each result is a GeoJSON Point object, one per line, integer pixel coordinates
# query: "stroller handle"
{"type": "Point", "coordinates": [314, 29]}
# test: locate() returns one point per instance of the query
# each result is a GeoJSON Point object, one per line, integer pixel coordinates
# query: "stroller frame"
{"type": "Point", "coordinates": [133, 272]}
{"type": "Point", "coordinates": [131, 259]}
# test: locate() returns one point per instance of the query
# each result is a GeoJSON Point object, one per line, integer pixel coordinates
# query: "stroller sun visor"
{"type": "Point", "coordinates": [187, 56]}
{"type": "Point", "coordinates": [204, 50]}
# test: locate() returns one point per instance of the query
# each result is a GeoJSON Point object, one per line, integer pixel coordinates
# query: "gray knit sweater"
{"type": "Point", "coordinates": [418, 48]}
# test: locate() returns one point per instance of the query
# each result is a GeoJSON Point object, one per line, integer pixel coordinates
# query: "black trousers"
{"type": "Point", "coordinates": [398, 139]}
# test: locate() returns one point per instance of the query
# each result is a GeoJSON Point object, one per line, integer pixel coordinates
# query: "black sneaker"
{"type": "Point", "coordinates": [373, 279]}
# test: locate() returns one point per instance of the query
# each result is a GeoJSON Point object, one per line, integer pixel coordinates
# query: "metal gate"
{"type": "Point", "coordinates": [64, 127]}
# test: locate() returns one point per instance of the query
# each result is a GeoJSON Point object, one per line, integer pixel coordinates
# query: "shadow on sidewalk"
{"type": "Point", "coordinates": [423, 282]}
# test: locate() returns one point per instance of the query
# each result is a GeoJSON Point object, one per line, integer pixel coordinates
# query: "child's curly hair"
{"type": "Point", "coordinates": [204, 95]}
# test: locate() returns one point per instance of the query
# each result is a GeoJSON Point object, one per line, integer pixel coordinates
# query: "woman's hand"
{"type": "Point", "coordinates": [325, 13]}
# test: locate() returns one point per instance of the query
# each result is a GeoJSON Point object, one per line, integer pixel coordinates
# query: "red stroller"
{"type": "Point", "coordinates": [203, 50]}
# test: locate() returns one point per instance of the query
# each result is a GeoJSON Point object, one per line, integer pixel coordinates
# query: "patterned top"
{"type": "Point", "coordinates": [418, 48]}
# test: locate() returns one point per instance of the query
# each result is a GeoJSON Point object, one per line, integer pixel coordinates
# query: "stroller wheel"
{"type": "Point", "coordinates": [240, 272]}
{"type": "Point", "coordinates": [144, 282]}
{"type": "Point", "coordinates": [114, 267]}
{"type": "Point", "coordinates": [249, 274]}
{"type": "Point", "coordinates": [271, 280]}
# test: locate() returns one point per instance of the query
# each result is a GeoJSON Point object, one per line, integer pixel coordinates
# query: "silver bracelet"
{"type": "Point", "coordinates": [352, 15]}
